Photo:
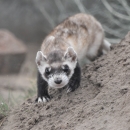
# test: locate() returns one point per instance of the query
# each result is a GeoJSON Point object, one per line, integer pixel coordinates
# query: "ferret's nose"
{"type": "Point", "coordinates": [58, 81]}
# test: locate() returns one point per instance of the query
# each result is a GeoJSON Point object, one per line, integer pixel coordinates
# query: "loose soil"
{"type": "Point", "coordinates": [102, 102]}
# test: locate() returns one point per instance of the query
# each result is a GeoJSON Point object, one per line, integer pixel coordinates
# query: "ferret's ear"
{"type": "Point", "coordinates": [40, 58]}
{"type": "Point", "coordinates": [70, 54]}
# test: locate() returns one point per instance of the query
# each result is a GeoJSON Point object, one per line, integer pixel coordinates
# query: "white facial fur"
{"type": "Point", "coordinates": [72, 66]}
{"type": "Point", "coordinates": [62, 76]}
{"type": "Point", "coordinates": [71, 63]}
{"type": "Point", "coordinates": [41, 63]}
{"type": "Point", "coordinates": [70, 60]}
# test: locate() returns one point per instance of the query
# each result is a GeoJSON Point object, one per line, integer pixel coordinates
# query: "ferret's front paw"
{"type": "Point", "coordinates": [69, 89]}
{"type": "Point", "coordinates": [43, 99]}
{"type": "Point", "coordinates": [72, 86]}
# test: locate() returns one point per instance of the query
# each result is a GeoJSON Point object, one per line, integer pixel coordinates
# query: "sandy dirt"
{"type": "Point", "coordinates": [102, 102]}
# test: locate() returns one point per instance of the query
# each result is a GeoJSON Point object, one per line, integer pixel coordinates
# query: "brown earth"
{"type": "Point", "coordinates": [102, 102]}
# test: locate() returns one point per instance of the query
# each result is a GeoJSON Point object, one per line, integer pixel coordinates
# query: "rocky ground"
{"type": "Point", "coordinates": [102, 102]}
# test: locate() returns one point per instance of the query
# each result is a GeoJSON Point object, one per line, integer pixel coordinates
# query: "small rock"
{"type": "Point", "coordinates": [12, 53]}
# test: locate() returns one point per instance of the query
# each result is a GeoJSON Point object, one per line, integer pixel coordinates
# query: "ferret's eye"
{"type": "Point", "coordinates": [65, 68]}
{"type": "Point", "coordinates": [48, 71]}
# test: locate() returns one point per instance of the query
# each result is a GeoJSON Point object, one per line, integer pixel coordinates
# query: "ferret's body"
{"type": "Point", "coordinates": [82, 32]}
{"type": "Point", "coordinates": [77, 40]}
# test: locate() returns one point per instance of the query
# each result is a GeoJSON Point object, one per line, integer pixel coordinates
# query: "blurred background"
{"type": "Point", "coordinates": [25, 23]}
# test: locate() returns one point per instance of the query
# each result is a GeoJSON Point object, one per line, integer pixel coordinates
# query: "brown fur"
{"type": "Point", "coordinates": [82, 32]}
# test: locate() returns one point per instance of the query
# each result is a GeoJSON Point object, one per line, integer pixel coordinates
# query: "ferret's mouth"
{"type": "Point", "coordinates": [58, 85]}
{"type": "Point", "coordinates": [53, 84]}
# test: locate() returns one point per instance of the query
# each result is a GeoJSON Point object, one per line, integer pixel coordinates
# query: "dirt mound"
{"type": "Point", "coordinates": [102, 102]}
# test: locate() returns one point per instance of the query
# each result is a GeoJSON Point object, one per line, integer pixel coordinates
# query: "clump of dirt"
{"type": "Point", "coordinates": [102, 102]}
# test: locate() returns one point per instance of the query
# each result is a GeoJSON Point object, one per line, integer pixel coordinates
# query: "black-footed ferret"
{"type": "Point", "coordinates": [73, 43]}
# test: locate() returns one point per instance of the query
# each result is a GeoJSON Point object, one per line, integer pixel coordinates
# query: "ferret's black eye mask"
{"type": "Point", "coordinates": [66, 69]}
{"type": "Point", "coordinates": [48, 71]}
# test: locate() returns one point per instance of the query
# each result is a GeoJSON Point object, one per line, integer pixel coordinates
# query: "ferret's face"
{"type": "Point", "coordinates": [58, 73]}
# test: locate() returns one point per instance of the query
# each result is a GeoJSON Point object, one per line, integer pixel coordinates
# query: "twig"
{"type": "Point", "coordinates": [45, 14]}
{"type": "Point", "coordinates": [125, 5]}
{"type": "Point", "coordinates": [115, 21]}
{"type": "Point", "coordinates": [113, 32]}
{"type": "Point", "coordinates": [115, 13]}
{"type": "Point", "coordinates": [80, 6]}
{"type": "Point", "coordinates": [119, 1]}
{"type": "Point", "coordinates": [118, 7]}
{"type": "Point", "coordinates": [59, 5]}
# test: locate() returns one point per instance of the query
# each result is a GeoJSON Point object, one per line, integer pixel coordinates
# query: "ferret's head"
{"type": "Point", "coordinates": [57, 68]}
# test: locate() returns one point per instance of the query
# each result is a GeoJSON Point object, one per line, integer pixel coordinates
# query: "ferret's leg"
{"type": "Point", "coordinates": [42, 92]}
{"type": "Point", "coordinates": [96, 46]}
{"type": "Point", "coordinates": [85, 61]}
{"type": "Point", "coordinates": [106, 46]}
{"type": "Point", "coordinates": [75, 80]}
